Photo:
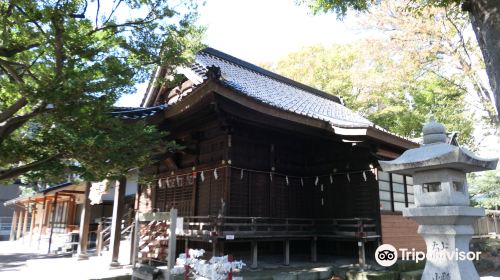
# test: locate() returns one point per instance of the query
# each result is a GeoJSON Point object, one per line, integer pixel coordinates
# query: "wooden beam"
{"type": "Point", "coordinates": [71, 192]}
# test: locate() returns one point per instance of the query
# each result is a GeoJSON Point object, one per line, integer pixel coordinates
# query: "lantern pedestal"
{"type": "Point", "coordinates": [447, 231]}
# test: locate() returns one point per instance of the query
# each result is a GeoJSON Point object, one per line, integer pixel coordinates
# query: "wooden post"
{"type": "Point", "coordinates": [495, 220]}
{"type": "Point", "coordinates": [254, 254]}
{"type": "Point", "coordinates": [70, 219]}
{"type": "Point", "coordinates": [25, 222]}
{"type": "Point", "coordinates": [99, 239]}
{"type": "Point", "coordinates": [214, 248]}
{"type": "Point", "coordinates": [135, 243]}
{"type": "Point", "coordinates": [172, 239]}
{"type": "Point", "coordinates": [314, 249]}
{"type": "Point", "coordinates": [361, 254]}
{"type": "Point", "coordinates": [116, 223]}
{"type": "Point", "coordinates": [42, 221]}
{"type": "Point", "coordinates": [19, 224]}
{"type": "Point", "coordinates": [135, 229]}
{"type": "Point", "coordinates": [52, 221]}
{"type": "Point", "coordinates": [84, 225]}
{"type": "Point", "coordinates": [13, 225]}
{"type": "Point", "coordinates": [287, 252]}
{"type": "Point", "coordinates": [33, 221]}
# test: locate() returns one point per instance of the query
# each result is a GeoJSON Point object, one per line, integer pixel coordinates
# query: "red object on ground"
{"type": "Point", "coordinates": [186, 267]}
{"type": "Point", "coordinates": [230, 274]}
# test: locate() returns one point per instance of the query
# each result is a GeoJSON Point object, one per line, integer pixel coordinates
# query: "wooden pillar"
{"type": "Point", "coordinates": [19, 224]}
{"type": "Point", "coordinates": [52, 221]}
{"type": "Point", "coordinates": [314, 249]}
{"type": "Point", "coordinates": [116, 223]}
{"type": "Point", "coordinates": [42, 221]}
{"type": "Point", "coordinates": [46, 213]}
{"type": "Point", "coordinates": [33, 221]}
{"type": "Point", "coordinates": [25, 222]}
{"type": "Point", "coordinates": [133, 253]}
{"type": "Point", "coordinates": [361, 254]}
{"type": "Point", "coordinates": [15, 214]}
{"type": "Point", "coordinates": [287, 252]}
{"type": "Point", "coordinates": [214, 248]}
{"type": "Point", "coordinates": [84, 225]}
{"type": "Point", "coordinates": [70, 218]}
{"type": "Point", "coordinates": [254, 254]}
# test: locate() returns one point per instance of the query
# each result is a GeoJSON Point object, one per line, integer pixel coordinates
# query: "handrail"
{"type": "Point", "coordinates": [104, 235]}
{"type": "Point", "coordinates": [272, 226]}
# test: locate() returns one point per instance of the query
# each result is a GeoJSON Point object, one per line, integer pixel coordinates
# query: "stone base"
{"type": "Point", "coordinates": [82, 257]}
{"type": "Point", "coordinates": [447, 231]}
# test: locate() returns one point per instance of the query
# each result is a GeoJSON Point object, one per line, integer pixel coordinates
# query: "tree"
{"type": "Point", "coordinates": [483, 14]}
{"type": "Point", "coordinates": [484, 188]}
{"type": "Point", "coordinates": [63, 64]}
{"type": "Point", "coordinates": [436, 41]}
{"type": "Point", "coordinates": [388, 90]}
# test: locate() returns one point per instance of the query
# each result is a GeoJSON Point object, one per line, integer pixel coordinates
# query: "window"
{"type": "Point", "coordinates": [395, 191]}
{"type": "Point", "coordinates": [431, 187]}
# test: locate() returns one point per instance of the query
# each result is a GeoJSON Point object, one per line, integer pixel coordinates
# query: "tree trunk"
{"type": "Point", "coordinates": [485, 19]}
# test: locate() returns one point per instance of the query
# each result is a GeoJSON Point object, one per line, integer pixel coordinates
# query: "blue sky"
{"type": "Point", "coordinates": [263, 31]}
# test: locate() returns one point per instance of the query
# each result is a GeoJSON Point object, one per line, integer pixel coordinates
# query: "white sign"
{"type": "Point", "coordinates": [229, 237]}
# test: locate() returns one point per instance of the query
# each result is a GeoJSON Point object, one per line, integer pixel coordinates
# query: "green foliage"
{"type": "Point", "coordinates": [339, 7]}
{"type": "Point", "coordinates": [63, 64]}
{"type": "Point", "coordinates": [484, 188]}
{"type": "Point", "coordinates": [389, 92]}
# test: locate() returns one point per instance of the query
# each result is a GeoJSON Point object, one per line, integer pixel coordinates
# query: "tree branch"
{"type": "Point", "coordinates": [14, 123]}
{"type": "Point", "coordinates": [9, 52]}
{"type": "Point", "coordinates": [125, 24]}
{"type": "Point", "coordinates": [10, 71]}
{"type": "Point", "coordinates": [12, 109]}
{"type": "Point", "coordinates": [58, 46]}
{"type": "Point", "coordinates": [19, 170]}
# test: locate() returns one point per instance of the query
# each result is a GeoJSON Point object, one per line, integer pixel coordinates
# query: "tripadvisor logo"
{"type": "Point", "coordinates": [386, 255]}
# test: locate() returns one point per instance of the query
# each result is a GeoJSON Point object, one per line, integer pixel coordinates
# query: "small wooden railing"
{"type": "Point", "coordinates": [247, 227]}
{"type": "Point", "coordinates": [103, 233]}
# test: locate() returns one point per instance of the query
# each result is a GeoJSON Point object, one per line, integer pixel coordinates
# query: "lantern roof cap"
{"type": "Point", "coordinates": [437, 154]}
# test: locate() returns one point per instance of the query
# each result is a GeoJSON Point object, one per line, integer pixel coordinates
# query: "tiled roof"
{"type": "Point", "coordinates": [276, 90]}
{"type": "Point", "coordinates": [135, 113]}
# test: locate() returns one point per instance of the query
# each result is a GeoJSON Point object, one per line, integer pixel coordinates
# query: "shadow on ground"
{"type": "Point", "coordinates": [16, 261]}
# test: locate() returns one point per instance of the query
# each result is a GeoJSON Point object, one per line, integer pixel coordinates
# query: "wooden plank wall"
{"type": "Point", "coordinates": [255, 194]}
{"type": "Point", "coordinates": [205, 148]}
{"type": "Point", "coordinates": [214, 143]}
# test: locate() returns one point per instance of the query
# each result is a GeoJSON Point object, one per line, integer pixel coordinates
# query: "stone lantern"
{"type": "Point", "coordinates": [442, 202]}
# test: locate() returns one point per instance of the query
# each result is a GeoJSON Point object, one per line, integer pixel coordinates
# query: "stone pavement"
{"type": "Point", "coordinates": [18, 261]}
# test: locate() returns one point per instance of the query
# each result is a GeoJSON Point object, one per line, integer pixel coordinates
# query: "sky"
{"type": "Point", "coordinates": [263, 31]}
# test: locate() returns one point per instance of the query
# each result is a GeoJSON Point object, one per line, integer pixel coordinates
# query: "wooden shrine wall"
{"type": "Point", "coordinates": [184, 187]}
{"type": "Point", "coordinates": [300, 158]}
{"type": "Point", "coordinates": [230, 146]}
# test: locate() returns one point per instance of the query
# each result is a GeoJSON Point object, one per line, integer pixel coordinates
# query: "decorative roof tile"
{"type": "Point", "coordinates": [276, 90]}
